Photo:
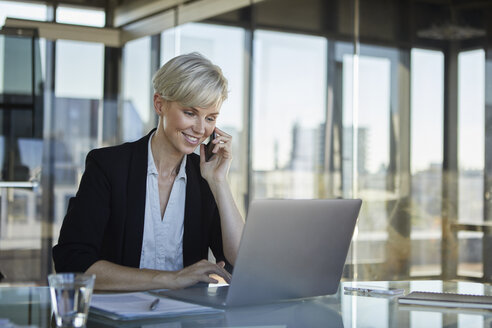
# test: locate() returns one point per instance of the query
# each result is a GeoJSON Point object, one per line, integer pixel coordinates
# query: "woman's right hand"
{"type": "Point", "coordinates": [116, 277]}
{"type": "Point", "coordinates": [199, 272]}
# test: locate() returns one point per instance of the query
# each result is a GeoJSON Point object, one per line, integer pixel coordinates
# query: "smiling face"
{"type": "Point", "coordinates": [184, 128]}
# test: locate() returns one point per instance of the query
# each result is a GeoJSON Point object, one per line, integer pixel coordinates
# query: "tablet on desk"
{"type": "Point", "coordinates": [447, 300]}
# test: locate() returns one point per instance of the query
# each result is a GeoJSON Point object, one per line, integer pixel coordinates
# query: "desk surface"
{"type": "Point", "coordinates": [30, 306]}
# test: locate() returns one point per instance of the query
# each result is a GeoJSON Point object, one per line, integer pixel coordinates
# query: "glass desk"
{"type": "Point", "coordinates": [30, 306]}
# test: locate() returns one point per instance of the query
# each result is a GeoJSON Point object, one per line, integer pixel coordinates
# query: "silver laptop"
{"type": "Point", "coordinates": [290, 249]}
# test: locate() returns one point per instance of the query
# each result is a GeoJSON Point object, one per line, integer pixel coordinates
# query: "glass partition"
{"type": "Point", "coordinates": [289, 113]}
{"type": "Point", "coordinates": [471, 150]}
{"type": "Point", "coordinates": [21, 147]}
{"type": "Point", "coordinates": [77, 111]}
{"type": "Point", "coordinates": [471, 134]}
{"type": "Point", "coordinates": [23, 10]}
{"type": "Point", "coordinates": [223, 45]}
{"type": "Point", "coordinates": [137, 115]}
{"type": "Point", "coordinates": [377, 76]}
{"type": "Point", "coordinates": [80, 16]}
{"type": "Point", "coordinates": [404, 126]}
{"type": "Point", "coordinates": [427, 102]}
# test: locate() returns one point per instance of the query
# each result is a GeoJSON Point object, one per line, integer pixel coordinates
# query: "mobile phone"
{"type": "Point", "coordinates": [209, 147]}
{"type": "Point", "coordinates": [375, 290]}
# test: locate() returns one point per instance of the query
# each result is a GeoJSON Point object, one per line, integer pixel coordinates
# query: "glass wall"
{"type": "Point", "coordinates": [471, 134]}
{"type": "Point", "coordinates": [397, 120]}
{"type": "Point", "coordinates": [427, 102]}
{"type": "Point", "coordinates": [471, 150]}
{"type": "Point", "coordinates": [289, 114]}
{"type": "Point", "coordinates": [80, 16]}
{"type": "Point", "coordinates": [136, 111]}
{"type": "Point", "coordinates": [224, 46]}
{"type": "Point", "coordinates": [77, 111]}
{"type": "Point", "coordinates": [17, 9]}
{"type": "Point", "coordinates": [21, 146]}
{"type": "Point", "coordinates": [375, 65]}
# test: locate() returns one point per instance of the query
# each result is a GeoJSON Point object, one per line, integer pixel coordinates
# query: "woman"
{"type": "Point", "coordinates": [147, 212]}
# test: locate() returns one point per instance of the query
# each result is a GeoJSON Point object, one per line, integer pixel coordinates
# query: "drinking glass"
{"type": "Point", "coordinates": [71, 297]}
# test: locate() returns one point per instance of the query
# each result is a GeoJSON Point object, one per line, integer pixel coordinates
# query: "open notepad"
{"type": "Point", "coordinates": [447, 300]}
{"type": "Point", "coordinates": [131, 306]}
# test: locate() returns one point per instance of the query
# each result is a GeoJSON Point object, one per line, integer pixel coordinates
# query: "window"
{"type": "Point", "coordinates": [377, 70]}
{"type": "Point", "coordinates": [427, 101]}
{"type": "Point", "coordinates": [137, 116]}
{"type": "Point", "coordinates": [471, 125]}
{"type": "Point", "coordinates": [80, 16]}
{"type": "Point", "coordinates": [224, 47]}
{"type": "Point", "coordinates": [77, 108]}
{"type": "Point", "coordinates": [288, 114]}
{"type": "Point", "coordinates": [471, 150]}
{"type": "Point", "coordinates": [21, 69]}
{"type": "Point", "coordinates": [79, 70]}
{"type": "Point", "coordinates": [21, 10]}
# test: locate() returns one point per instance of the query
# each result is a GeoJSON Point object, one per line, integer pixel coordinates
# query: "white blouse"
{"type": "Point", "coordinates": [162, 246]}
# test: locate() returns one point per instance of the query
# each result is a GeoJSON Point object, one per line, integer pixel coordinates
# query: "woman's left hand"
{"type": "Point", "coordinates": [216, 170]}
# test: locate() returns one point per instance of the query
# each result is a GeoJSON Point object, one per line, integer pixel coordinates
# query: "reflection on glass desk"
{"type": "Point", "coordinates": [30, 306]}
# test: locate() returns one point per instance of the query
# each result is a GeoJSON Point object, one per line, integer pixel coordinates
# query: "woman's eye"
{"type": "Point", "coordinates": [210, 119]}
{"type": "Point", "coordinates": [189, 113]}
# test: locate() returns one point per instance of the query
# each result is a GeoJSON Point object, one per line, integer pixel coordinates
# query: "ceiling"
{"type": "Point", "coordinates": [427, 23]}
{"type": "Point", "coordinates": [405, 22]}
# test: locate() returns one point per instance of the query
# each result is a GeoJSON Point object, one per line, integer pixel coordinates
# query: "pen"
{"type": "Point", "coordinates": [153, 305]}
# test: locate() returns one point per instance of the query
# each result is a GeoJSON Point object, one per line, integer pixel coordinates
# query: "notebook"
{"type": "Point", "coordinates": [447, 300]}
{"type": "Point", "coordinates": [290, 249]}
{"type": "Point", "coordinates": [136, 305]}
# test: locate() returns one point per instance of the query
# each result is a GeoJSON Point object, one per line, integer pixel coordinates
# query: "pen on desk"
{"type": "Point", "coordinates": [153, 305]}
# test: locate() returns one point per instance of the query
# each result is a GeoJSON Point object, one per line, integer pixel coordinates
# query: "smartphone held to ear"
{"type": "Point", "coordinates": [209, 147]}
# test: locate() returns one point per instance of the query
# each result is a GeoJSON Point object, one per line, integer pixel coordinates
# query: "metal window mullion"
{"type": "Point", "coordinates": [155, 62]}
{"type": "Point", "coordinates": [487, 208]}
{"type": "Point", "coordinates": [449, 248]}
{"type": "Point", "coordinates": [248, 106]}
{"type": "Point", "coordinates": [48, 168]}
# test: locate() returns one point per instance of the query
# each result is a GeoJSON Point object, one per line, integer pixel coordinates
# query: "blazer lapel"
{"type": "Point", "coordinates": [192, 236]}
{"type": "Point", "coordinates": [136, 191]}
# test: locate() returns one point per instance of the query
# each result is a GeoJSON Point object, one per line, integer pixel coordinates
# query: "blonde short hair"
{"type": "Point", "coordinates": [191, 80]}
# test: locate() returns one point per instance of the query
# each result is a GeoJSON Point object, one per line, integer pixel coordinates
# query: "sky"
{"type": "Point", "coordinates": [289, 89]}
{"type": "Point", "coordinates": [471, 113]}
{"type": "Point", "coordinates": [427, 101]}
{"type": "Point", "coordinates": [374, 105]}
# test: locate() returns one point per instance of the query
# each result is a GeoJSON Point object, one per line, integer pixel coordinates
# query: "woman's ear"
{"type": "Point", "coordinates": [159, 104]}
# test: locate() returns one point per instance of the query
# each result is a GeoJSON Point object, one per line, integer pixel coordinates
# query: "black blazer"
{"type": "Point", "coordinates": [105, 219]}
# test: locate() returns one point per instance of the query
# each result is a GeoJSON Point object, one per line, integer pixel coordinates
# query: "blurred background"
{"type": "Point", "coordinates": [383, 100]}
